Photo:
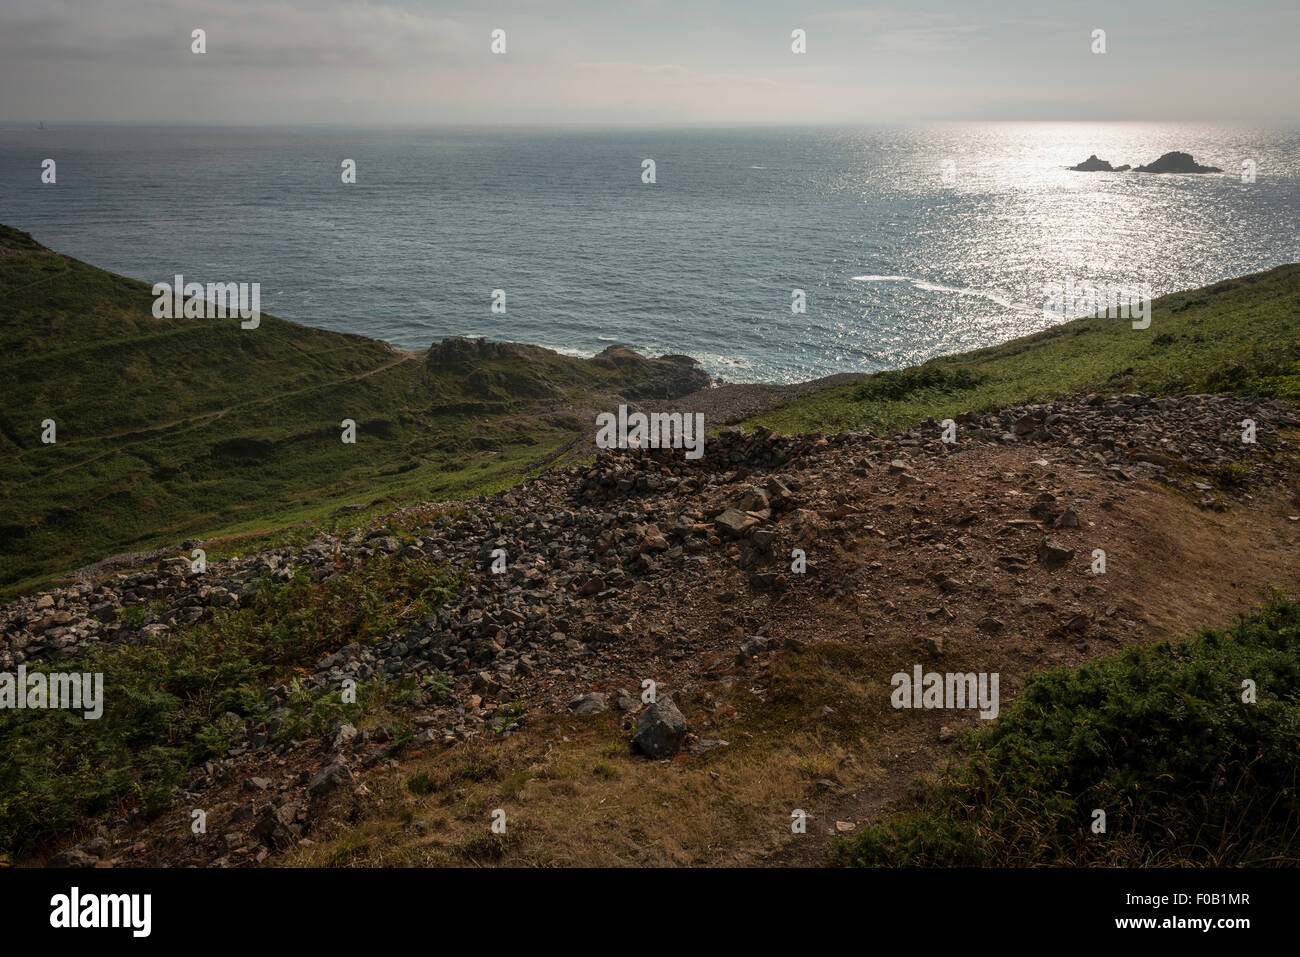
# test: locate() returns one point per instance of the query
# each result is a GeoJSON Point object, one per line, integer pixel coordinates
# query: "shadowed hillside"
{"type": "Point", "coordinates": [169, 429]}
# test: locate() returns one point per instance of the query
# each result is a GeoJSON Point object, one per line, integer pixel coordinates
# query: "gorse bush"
{"type": "Point", "coordinates": [304, 620]}
{"type": "Point", "coordinates": [1158, 737]}
{"type": "Point", "coordinates": [168, 703]}
{"type": "Point", "coordinates": [899, 384]}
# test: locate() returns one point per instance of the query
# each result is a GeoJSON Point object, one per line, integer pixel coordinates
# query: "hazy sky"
{"type": "Point", "coordinates": [646, 62]}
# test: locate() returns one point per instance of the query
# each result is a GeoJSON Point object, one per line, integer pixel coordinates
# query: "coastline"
{"type": "Point", "coordinates": [147, 445]}
{"type": "Point", "coordinates": [722, 402]}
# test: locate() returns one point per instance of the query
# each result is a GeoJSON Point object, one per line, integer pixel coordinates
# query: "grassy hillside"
{"type": "Point", "coordinates": [186, 428]}
{"type": "Point", "coordinates": [1241, 335]}
{"type": "Point", "coordinates": [169, 429]}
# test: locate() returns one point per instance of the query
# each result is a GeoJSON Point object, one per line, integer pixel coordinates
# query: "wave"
{"type": "Point", "coordinates": [925, 285]}
{"type": "Point", "coordinates": [572, 352]}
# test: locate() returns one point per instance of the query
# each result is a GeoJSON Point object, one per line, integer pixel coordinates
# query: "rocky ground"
{"type": "Point", "coordinates": [647, 565]}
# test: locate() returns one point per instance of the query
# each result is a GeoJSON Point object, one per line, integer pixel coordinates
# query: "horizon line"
{"type": "Point", "coordinates": [666, 124]}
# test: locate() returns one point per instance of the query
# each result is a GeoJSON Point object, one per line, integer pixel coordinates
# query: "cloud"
{"type": "Point", "coordinates": [660, 61]}
{"type": "Point", "coordinates": [277, 35]}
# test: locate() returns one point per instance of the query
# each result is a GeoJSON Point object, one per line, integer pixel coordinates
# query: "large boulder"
{"type": "Point", "coordinates": [661, 731]}
{"type": "Point", "coordinates": [667, 377]}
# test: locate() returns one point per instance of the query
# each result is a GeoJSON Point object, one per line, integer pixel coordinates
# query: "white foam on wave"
{"type": "Point", "coordinates": [574, 352]}
{"type": "Point", "coordinates": [925, 285]}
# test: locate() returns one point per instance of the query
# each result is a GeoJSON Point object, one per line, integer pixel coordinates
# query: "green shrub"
{"type": "Point", "coordinates": [1157, 736]}
{"type": "Point", "coordinates": [899, 384]}
{"type": "Point", "coordinates": [166, 701]}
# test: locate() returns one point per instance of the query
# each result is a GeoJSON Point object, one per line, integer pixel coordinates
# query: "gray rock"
{"type": "Point", "coordinates": [661, 731]}
{"type": "Point", "coordinates": [73, 858]}
{"type": "Point", "coordinates": [1052, 554]}
{"type": "Point", "coordinates": [705, 745]}
{"type": "Point", "coordinates": [592, 703]}
{"type": "Point", "coordinates": [486, 684]}
{"type": "Point", "coordinates": [751, 647]}
{"type": "Point", "coordinates": [345, 736]}
{"type": "Point", "coordinates": [329, 778]}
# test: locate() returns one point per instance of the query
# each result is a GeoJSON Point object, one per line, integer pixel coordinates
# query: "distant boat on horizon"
{"type": "Point", "coordinates": [40, 126]}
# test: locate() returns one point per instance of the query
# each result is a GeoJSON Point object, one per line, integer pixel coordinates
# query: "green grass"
{"type": "Point", "coordinates": [1158, 737]}
{"type": "Point", "coordinates": [169, 429]}
{"type": "Point", "coordinates": [1240, 336]}
{"type": "Point", "coordinates": [175, 701]}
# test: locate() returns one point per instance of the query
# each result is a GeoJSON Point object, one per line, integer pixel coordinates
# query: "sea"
{"type": "Point", "coordinates": [769, 254]}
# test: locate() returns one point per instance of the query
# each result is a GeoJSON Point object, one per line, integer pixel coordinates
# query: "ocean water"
{"type": "Point", "coordinates": [909, 242]}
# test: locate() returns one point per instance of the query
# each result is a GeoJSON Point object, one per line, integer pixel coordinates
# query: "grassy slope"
{"type": "Point", "coordinates": [170, 429]}
{"type": "Point", "coordinates": [1241, 335]}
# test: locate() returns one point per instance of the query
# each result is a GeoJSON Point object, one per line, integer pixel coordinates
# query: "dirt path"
{"type": "Point", "coordinates": [1173, 568]}
{"type": "Point", "coordinates": [206, 418]}
{"type": "Point", "coordinates": [731, 402]}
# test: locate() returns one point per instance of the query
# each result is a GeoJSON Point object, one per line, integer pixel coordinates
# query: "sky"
{"type": "Point", "coordinates": [646, 62]}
